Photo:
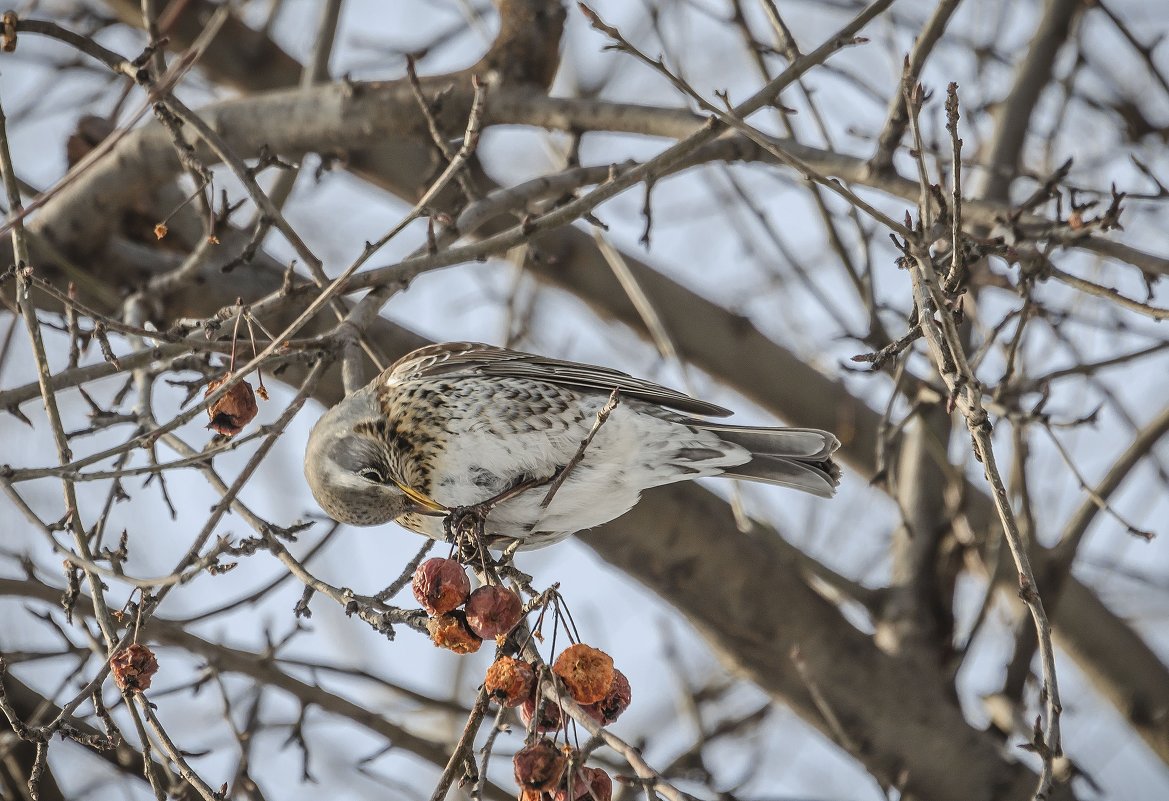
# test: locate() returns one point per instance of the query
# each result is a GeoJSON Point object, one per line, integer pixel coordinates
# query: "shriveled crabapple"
{"type": "Point", "coordinates": [594, 712]}
{"type": "Point", "coordinates": [580, 786]}
{"type": "Point", "coordinates": [551, 719]}
{"type": "Point", "coordinates": [440, 585]}
{"type": "Point", "coordinates": [450, 631]}
{"type": "Point", "coordinates": [509, 681]}
{"type": "Point", "coordinates": [589, 784]}
{"type": "Point", "coordinates": [133, 667]}
{"type": "Point", "coordinates": [587, 672]}
{"type": "Point", "coordinates": [616, 701]}
{"type": "Point", "coordinates": [539, 766]}
{"type": "Point", "coordinates": [234, 409]}
{"type": "Point", "coordinates": [493, 610]}
{"type": "Point", "coordinates": [600, 786]}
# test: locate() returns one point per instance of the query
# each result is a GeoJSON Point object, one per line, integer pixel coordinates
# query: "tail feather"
{"type": "Point", "coordinates": [817, 478]}
{"type": "Point", "coordinates": [800, 458]}
{"type": "Point", "coordinates": [798, 443]}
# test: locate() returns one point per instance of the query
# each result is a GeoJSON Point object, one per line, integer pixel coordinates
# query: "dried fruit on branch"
{"type": "Point", "coordinates": [587, 672]}
{"type": "Point", "coordinates": [133, 667]}
{"type": "Point", "coordinates": [450, 631]}
{"type": "Point", "coordinates": [616, 701]}
{"type": "Point", "coordinates": [234, 409]}
{"type": "Point", "coordinates": [440, 585]}
{"type": "Point", "coordinates": [550, 716]}
{"type": "Point", "coordinates": [539, 766]}
{"type": "Point", "coordinates": [509, 681]}
{"type": "Point", "coordinates": [493, 610]}
{"type": "Point", "coordinates": [580, 786]}
{"type": "Point", "coordinates": [589, 784]}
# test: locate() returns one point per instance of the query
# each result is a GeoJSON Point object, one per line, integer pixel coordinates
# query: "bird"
{"type": "Point", "coordinates": [465, 426]}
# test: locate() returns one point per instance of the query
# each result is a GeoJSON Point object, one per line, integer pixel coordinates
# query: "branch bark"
{"type": "Point", "coordinates": [259, 667]}
{"type": "Point", "coordinates": [751, 600]}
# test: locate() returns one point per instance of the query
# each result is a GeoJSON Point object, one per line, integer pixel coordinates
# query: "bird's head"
{"type": "Point", "coordinates": [348, 465]}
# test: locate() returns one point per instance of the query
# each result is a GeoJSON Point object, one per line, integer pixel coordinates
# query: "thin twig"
{"type": "Point", "coordinates": [1108, 293]}
{"type": "Point", "coordinates": [464, 748]}
{"type": "Point", "coordinates": [562, 476]}
{"type": "Point", "coordinates": [946, 349]}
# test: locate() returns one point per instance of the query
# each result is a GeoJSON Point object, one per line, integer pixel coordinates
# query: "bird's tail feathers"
{"type": "Point", "coordinates": [818, 478]}
{"type": "Point", "coordinates": [799, 458]}
{"type": "Point", "coordinates": [798, 443]}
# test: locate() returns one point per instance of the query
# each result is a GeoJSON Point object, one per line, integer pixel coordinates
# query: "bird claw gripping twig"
{"type": "Point", "coordinates": [463, 526]}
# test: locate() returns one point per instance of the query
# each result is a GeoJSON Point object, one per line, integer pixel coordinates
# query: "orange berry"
{"type": "Point", "coordinates": [587, 672]}
{"type": "Point", "coordinates": [450, 631]}
{"type": "Point", "coordinates": [509, 681]}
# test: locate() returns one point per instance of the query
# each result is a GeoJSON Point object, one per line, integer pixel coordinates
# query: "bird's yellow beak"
{"type": "Point", "coordinates": [426, 503]}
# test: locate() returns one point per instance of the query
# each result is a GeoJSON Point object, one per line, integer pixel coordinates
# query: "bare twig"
{"type": "Point", "coordinates": [562, 476]}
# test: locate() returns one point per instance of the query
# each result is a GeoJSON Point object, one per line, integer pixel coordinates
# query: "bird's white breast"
{"type": "Point", "coordinates": [630, 452]}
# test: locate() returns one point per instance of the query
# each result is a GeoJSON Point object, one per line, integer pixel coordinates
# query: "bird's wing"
{"type": "Point", "coordinates": [465, 359]}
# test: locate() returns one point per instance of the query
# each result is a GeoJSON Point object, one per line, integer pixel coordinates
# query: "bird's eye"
{"type": "Point", "coordinates": [372, 474]}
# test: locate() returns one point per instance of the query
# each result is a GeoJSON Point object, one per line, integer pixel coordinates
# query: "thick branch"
{"type": "Point", "coordinates": [751, 600]}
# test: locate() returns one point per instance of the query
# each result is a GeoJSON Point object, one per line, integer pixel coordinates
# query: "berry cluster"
{"type": "Point", "coordinates": [540, 769]}
{"type": "Point", "coordinates": [441, 586]}
{"type": "Point", "coordinates": [587, 673]}
{"type": "Point", "coordinates": [603, 693]}
{"type": "Point", "coordinates": [460, 620]}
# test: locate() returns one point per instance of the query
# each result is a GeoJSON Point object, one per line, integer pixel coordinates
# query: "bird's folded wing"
{"type": "Point", "coordinates": [466, 359]}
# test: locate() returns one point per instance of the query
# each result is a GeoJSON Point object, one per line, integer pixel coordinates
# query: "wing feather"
{"type": "Point", "coordinates": [467, 359]}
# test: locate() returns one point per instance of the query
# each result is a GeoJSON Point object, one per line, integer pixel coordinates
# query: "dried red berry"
{"type": "Point", "coordinates": [234, 409]}
{"type": "Point", "coordinates": [440, 585]}
{"type": "Point", "coordinates": [133, 667]}
{"type": "Point", "coordinates": [589, 784]}
{"type": "Point", "coordinates": [594, 712]}
{"type": "Point", "coordinates": [539, 766]}
{"type": "Point", "coordinates": [550, 716]}
{"type": "Point", "coordinates": [616, 701]}
{"type": "Point", "coordinates": [580, 786]}
{"type": "Point", "coordinates": [587, 672]}
{"type": "Point", "coordinates": [600, 785]}
{"type": "Point", "coordinates": [493, 610]}
{"type": "Point", "coordinates": [509, 681]}
{"type": "Point", "coordinates": [450, 631]}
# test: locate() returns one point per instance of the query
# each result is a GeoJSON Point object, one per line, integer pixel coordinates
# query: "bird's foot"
{"type": "Point", "coordinates": [462, 522]}
{"type": "Point", "coordinates": [463, 527]}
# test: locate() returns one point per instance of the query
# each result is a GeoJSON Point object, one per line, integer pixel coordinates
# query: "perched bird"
{"type": "Point", "coordinates": [458, 424]}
